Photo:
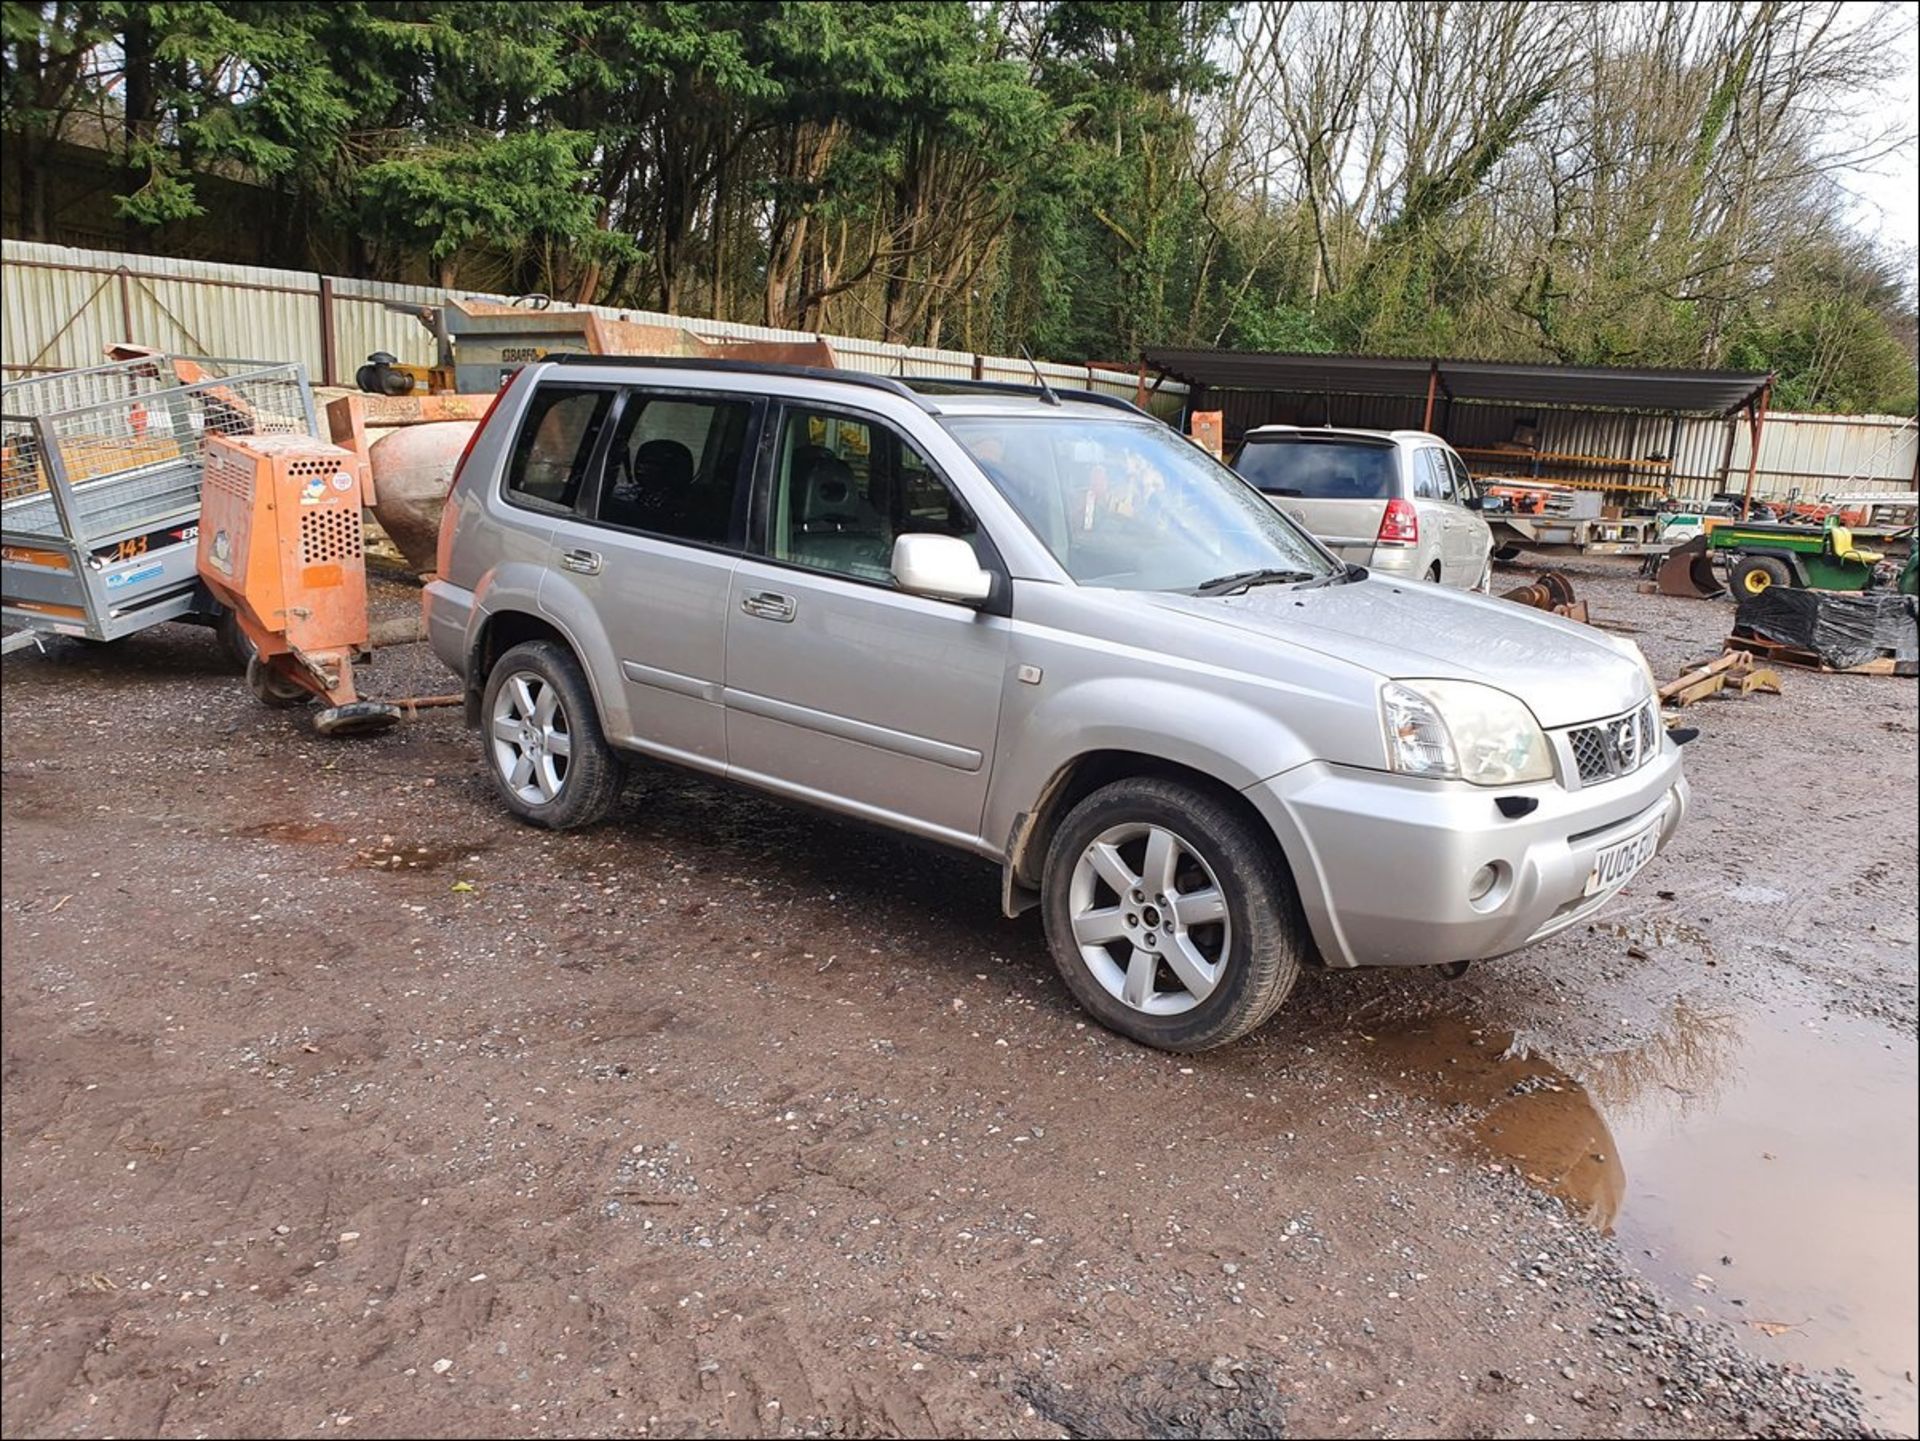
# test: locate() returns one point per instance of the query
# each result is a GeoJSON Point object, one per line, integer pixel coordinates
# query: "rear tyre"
{"type": "Point", "coordinates": [1169, 916]}
{"type": "Point", "coordinates": [545, 751]}
{"type": "Point", "coordinates": [1433, 573]}
{"type": "Point", "coordinates": [1757, 573]}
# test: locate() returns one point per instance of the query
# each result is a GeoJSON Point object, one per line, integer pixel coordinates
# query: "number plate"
{"type": "Point", "coordinates": [1616, 865]}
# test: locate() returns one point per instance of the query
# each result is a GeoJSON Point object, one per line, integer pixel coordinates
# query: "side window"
{"type": "Point", "coordinates": [1426, 479]}
{"type": "Point", "coordinates": [674, 466]}
{"type": "Point", "coordinates": [1463, 486]}
{"type": "Point", "coordinates": [555, 444]}
{"type": "Point", "coordinates": [844, 487]}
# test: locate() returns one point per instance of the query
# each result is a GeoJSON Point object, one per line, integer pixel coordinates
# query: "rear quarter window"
{"type": "Point", "coordinates": [555, 445]}
{"type": "Point", "coordinates": [1315, 469]}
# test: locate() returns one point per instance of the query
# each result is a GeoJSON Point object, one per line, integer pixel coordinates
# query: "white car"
{"type": "Point", "coordinates": [1399, 502]}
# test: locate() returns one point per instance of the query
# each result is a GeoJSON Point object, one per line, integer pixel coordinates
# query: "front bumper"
{"type": "Point", "coordinates": [1383, 862]}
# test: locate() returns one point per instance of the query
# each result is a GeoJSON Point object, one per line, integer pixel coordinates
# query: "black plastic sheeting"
{"type": "Point", "coordinates": [1843, 628]}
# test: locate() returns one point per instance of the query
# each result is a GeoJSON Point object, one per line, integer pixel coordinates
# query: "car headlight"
{"type": "Point", "coordinates": [1646, 667]}
{"type": "Point", "coordinates": [1457, 730]}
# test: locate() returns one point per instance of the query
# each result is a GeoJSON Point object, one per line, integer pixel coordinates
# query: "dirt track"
{"type": "Point", "coordinates": [334, 1099]}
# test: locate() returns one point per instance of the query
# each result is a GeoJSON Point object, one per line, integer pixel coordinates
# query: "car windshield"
{"type": "Point", "coordinates": [1319, 468]}
{"type": "Point", "coordinates": [1133, 506]}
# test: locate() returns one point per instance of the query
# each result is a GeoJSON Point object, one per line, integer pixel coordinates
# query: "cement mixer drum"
{"type": "Point", "coordinates": [412, 472]}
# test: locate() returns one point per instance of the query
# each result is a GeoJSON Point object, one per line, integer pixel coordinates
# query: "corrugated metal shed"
{"type": "Point", "coordinates": [1690, 392]}
{"type": "Point", "coordinates": [1807, 454]}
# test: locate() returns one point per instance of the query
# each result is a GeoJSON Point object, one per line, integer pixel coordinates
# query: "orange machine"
{"type": "Point", "coordinates": [280, 546]}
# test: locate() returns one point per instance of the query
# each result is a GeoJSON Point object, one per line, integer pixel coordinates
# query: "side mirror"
{"type": "Point", "coordinates": [1491, 504]}
{"type": "Point", "coordinates": [941, 567]}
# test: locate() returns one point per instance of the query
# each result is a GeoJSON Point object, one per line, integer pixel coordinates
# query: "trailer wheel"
{"type": "Point", "coordinates": [357, 718]}
{"type": "Point", "coordinates": [273, 689]}
{"type": "Point", "coordinates": [1756, 573]}
{"type": "Point", "coordinates": [233, 640]}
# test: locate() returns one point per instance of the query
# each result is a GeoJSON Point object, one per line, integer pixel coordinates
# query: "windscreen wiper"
{"type": "Point", "coordinates": [1341, 576]}
{"type": "Point", "coordinates": [1242, 579]}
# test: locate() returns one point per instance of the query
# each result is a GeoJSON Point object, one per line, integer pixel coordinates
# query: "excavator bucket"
{"type": "Point", "coordinates": [1551, 592]}
{"type": "Point", "coordinates": [1688, 571]}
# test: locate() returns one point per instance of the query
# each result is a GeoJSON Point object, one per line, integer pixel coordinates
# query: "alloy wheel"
{"type": "Point", "coordinates": [532, 745]}
{"type": "Point", "coordinates": [1149, 918]}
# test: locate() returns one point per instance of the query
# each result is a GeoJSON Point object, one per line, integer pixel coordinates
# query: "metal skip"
{"type": "Point", "coordinates": [1688, 571]}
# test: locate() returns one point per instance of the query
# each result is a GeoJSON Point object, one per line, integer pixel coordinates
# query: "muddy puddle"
{"type": "Point", "coordinates": [1760, 1166]}
{"type": "Point", "coordinates": [387, 854]}
{"type": "Point", "coordinates": [380, 853]}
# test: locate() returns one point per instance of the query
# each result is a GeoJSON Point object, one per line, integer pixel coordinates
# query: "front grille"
{"type": "Point", "coordinates": [1615, 747]}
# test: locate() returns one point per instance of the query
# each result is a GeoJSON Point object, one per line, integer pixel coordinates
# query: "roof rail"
{"type": "Point", "coordinates": [1015, 387]}
{"type": "Point", "coordinates": [753, 367]}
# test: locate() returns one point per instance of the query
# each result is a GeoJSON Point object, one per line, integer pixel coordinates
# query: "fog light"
{"type": "Point", "coordinates": [1482, 882]}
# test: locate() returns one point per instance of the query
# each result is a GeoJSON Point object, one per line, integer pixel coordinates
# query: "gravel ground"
{"type": "Point", "coordinates": [336, 1100]}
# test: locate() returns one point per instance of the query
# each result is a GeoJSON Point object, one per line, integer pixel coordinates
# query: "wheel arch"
{"type": "Point", "coordinates": [1080, 777]}
{"type": "Point", "coordinates": [499, 633]}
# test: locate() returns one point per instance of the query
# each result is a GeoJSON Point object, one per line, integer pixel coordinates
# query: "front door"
{"type": "Point", "coordinates": [840, 688]}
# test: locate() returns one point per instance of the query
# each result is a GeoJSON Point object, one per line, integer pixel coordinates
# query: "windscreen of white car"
{"type": "Point", "coordinates": [1133, 506]}
{"type": "Point", "coordinates": [1319, 467]}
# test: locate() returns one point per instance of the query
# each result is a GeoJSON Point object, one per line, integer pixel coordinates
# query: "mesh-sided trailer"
{"type": "Point", "coordinates": [100, 475]}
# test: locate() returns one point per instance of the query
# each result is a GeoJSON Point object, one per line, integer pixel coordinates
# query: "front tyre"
{"type": "Point", "coordinates": [1757, 573]}
{"type": "Point", "coordinates": [1169, 915]}
{"type": "Point", "coordinates": [545, 751]}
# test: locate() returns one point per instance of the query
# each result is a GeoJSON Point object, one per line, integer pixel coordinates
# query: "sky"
{"type": "Point", "coordinates": [1886, 197]}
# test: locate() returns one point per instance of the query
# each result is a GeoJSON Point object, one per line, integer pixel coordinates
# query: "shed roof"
{"type": "Point", "coordinates": [1669, 392]}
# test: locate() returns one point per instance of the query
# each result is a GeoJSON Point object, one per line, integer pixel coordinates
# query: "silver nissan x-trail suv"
{"type": "Point", "coordinates": [1044, 628]}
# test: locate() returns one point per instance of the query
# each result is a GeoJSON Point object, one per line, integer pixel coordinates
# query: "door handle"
{"type": "Point", "coordinates": [586, 562]}
{"type": "Point", "coordinates": [768, 605]}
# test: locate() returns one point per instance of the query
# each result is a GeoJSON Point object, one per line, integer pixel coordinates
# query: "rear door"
{"type": "Point", "coordinates": [645, 560]}
{"type": "Point", "coordinates": [1436, 501]}
{"type": "Point", "coordinates": [1472, 540]}
{"type": "Point", "coordinates": [1337, 486]}
{"type": "Point", "coordinates": [841, 689]}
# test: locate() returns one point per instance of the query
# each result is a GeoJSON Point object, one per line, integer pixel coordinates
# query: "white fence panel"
{"type": "Point", "coordinates": [56, 319]}
{"type": "Point", "coordinates": [63, 307]}
{"type": "Point", "coordinates": [185, 314]}
{"type": "Point", "coordinates": [1829, 453]}
{"type": "Point", "coordinates": [879, 357]}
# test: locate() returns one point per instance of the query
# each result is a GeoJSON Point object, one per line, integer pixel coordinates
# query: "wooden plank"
{"type": "Point", "coordinates": [1568, 457]}
{"type": "Point", "coordinates": [1562, 482]}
